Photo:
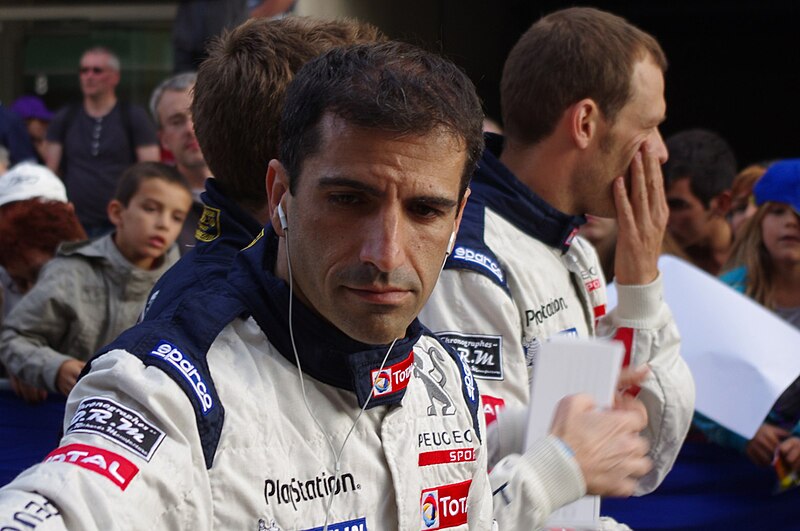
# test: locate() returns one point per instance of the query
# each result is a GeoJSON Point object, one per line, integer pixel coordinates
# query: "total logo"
{"type": "Point", "coordinates": [392, 379]}
{"type": "Point", "coordinates": [107, 464]}
{"type": "Point", "coordinates": [444, 506]}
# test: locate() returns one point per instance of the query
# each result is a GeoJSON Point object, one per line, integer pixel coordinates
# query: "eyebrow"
{"type": "Point", "coordinates": [331, 182]}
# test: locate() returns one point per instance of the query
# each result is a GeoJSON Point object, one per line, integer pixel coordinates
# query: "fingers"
{"type": "Point", "coordinates": [657, 200]}
{"type": "Point", "coordinates": [633, 405]}
{"type": "Point", "coordinates": [632, 377]}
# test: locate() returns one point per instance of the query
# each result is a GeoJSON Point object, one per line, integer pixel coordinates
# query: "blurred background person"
{"type": "Point", "coordinates": [170, 105]}
{"type": "Point", "coordinates": [698, 177]}
{"type": "Point", "coordinates": [14, 137]}
{"type": "Point", "coordinates": [90, 144]}
{"type": "Point", "coordinates": [766, 268]}
{"type": "Point", "coordinates": [93, 290]}
{"type": "Point", "coordinates": [37, 118]}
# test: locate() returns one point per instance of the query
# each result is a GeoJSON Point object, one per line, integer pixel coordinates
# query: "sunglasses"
{"type": "Point", "coordinates": [92, 69]}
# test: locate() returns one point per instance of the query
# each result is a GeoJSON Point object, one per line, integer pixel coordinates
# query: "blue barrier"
{"type": "Point", "coordinates": [27, 432]}
{"type": "Point", "coordinates": [710, 488]}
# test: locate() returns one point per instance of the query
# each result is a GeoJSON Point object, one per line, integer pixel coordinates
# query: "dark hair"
{"type": "Point", "coordinates": [239, 94]}
{"type": "Point", "coordinates": [391, 86]}
{"type": "Point", "coordinates": [133, 177]}
{"type": "Point", "coordinates": [33, 224]}
{"type": "Point", "coordinates": [565, 57]}
{"type": "Point", "coordinates": [705, 158]}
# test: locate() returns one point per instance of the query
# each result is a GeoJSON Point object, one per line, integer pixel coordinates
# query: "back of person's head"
{"type": "Point", "coordinates": [565, 57]}
{"type": "Point", "coordinates": [28, 180]}
{"type": "Point", "coordinates": [393, 87]}
{"type": "Point", "coordinates": [30, 232]}
{"type": "Point", "coordinates": [176, 83]}
{"type": "Point", "coordinates": [705, 158]}
{"type": "Point", "coordinates": [240, 89]}
{"type": "Point", "coordinates": [133, 177]}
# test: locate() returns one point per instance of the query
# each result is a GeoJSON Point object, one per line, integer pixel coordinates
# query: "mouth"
{"type": "Point", "coordinates": [157, 242]}
{"type": "Point", "coordinates": [382, 295]}
{"type": "Point", "coordinates": [789, 239]}
{"type": "Point", "coordinates": [192, 146]}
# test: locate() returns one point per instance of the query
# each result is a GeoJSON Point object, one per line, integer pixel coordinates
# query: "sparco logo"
{"type": "Point", "coordinates": [296, 490]}
{"type": "Point", "coordinates": [186, 368]}
{"type": "Point", "coordinates": [468, 255]}
{"type": "Point", "coordinates": [545, 311]}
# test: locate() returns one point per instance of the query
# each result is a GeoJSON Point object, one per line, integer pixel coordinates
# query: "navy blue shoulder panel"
{"type": "Point", "coordinates": [179, 346]}
{"type": "Point", "coordinates": [469, 388]}
{"type": "Point", "coordinates": [471, 251]}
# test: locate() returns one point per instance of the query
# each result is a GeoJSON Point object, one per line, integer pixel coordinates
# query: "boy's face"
{"type": "Point", "coordinates": [149, 225]}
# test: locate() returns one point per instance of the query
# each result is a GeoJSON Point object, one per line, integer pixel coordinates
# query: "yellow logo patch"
{"type": "Point", "coordinates": [208, 228]}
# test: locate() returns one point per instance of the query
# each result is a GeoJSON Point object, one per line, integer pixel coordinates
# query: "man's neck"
{"type": "Point", "coordinates": [545, 168]}
{"type": "Point", "coordinates": [100, 105]}
{"type": "Point", "coordinates": [711, 254]}
{"type": "Point", "coordinates": [195, 175]}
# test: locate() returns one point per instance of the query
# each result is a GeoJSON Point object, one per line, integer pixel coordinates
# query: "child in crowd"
{"type": "Point", "coordinates": [93, 290]}
{"type": "Point", "coordinates": [743, 204]}
{"type": "Point", "coordinates": [765, 265]}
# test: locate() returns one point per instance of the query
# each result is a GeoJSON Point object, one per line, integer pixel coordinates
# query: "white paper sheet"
{"type": "Point", "coordinates": [742, 356]}
{"type": "Point", "coordinates": [563, 367]}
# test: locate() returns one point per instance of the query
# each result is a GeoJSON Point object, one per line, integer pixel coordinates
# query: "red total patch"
{"type": "Point", "coordinates": [108, 464]}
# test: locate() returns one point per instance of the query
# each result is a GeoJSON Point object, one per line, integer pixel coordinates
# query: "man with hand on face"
{"type": "Point", "coordinates": [582, 96]}
{"type": "Point", "coordinates": [302, 392]}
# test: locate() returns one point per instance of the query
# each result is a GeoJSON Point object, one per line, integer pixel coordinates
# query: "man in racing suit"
{"type": "Point", "coordinates": [204, 419]}
{"type": "Point", "coordinates": [519, 276]}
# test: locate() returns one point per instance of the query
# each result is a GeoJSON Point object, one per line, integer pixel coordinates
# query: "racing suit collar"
{"type": "Point", "coordinates": [500, 190]}
{"type": "Point", "coordinates": [232, 222]}
{"type": "Point", "coordinates": [326, 353]}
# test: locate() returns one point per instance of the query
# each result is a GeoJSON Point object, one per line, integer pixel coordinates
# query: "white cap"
{"type": "Point", "coordinates": [27, 180]}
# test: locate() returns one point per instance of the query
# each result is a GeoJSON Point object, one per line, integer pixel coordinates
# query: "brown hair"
{"type": "Point", "coordinates": [565, 57]}
{"type": "Point", "coordinates": [390, 86]}
{"type": "Point", "coordinates": [132, 178]}
{"type": "Point", "coordinates": [749, 251]}
{"type": "Point", "coordinates": [745, 180]}
{"type": "Point", "coordinates": [240, 89]}
{"type": "Point", "coordinates": [38, 225]}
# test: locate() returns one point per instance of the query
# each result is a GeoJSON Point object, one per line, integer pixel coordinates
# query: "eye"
{"type": "Point", "coordinates": [344, 198]}
{"type": "Point", "coordinates": [426, 211]}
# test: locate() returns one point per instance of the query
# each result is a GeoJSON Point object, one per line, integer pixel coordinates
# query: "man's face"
{"type": "Point", "coordinates": [688, 217]}
{"type": "Point", "coordinates": [177, 128]}
{"type": "Point", "coordinates": [96, 75]}
{"type": "Point", "coordinates": [619, 141]}
{"type": "Point", "coordinates": [369, 225]}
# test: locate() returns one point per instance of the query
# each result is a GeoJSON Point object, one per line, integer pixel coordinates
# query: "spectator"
{"type": "Point", "coordinates": [37, 117]}
{"type": "Point", "coordinates": [698, 176]}
{"type": "Point", "coordinates": [36, 185]}
{"type": "Point", "coordinates": [90, 143]}
{"type": "Point", "coordinates": [582, 95]}
{"type": "Point", "coordinates": [237, 105]}
{"type": "Point", "coordinates": [94, 290]}
{"type": "Point", "coordinates": [743, 204]}
{"type": "Point", "coordinates": [14, 137]}
{"type": "Point", "coordinates": [767, 260]}
{"type": "Point", "coordinates": [170, 105]}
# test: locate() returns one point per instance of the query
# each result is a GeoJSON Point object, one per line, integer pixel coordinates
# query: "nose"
{"type": "Point", "coordinates": [383, 241]}
{"type": "Point", "coordinates": [659, 147]}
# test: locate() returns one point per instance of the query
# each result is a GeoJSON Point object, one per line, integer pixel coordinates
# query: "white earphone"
{"type": "Point", "coordinates": [282, 217]}
{"type": "Point", "coordinates": [451, 243]}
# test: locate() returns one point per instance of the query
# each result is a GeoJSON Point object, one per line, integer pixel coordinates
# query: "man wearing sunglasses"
{"type": "Point", "coordinates": [89, 144]}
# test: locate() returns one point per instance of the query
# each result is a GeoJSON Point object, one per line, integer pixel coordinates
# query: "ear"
{"type": "Point", "coordinates": [583, 120]}
{"type": "Point", "coordinates": [461, 210]}
{"type": "Point", "coordinates": [277, 188]}
{"type": "Point", "coordinates": [721, 204]}
{"type": "Point", "coordinates": [114, 211]}
{"type": "Point", "coordinates": [160, 135]}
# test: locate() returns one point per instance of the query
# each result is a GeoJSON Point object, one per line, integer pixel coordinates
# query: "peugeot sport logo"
{"type": "Point", "coordinates": [430, 510]}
